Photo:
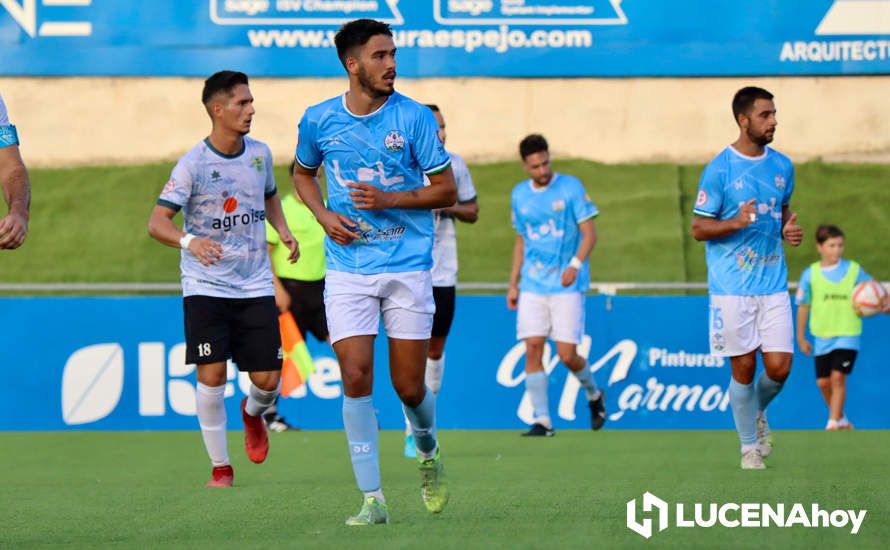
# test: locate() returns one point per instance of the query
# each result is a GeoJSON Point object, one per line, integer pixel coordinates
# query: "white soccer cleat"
{"type": "Point", "coordinates": [753, 460]}
{"type": "Point", "coordinates": [764, 436]}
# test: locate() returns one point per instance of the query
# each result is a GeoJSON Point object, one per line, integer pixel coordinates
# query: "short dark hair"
{"type": "Point", "coordinates": [743, 100]}
{"type": "Point", "coordinates": [433, 107]}
{"type": "Point", "coordinates": [222, 81]}
{"type": "Point", "coordinates": [827, 231]}
{"type": "Point", "coordinates": [531, 144]}
{"type": "Point", "coordinates": [357, 33]}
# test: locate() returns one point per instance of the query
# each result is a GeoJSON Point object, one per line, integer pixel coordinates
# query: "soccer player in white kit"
{"type": "Point", "coordinates": [445, 269]}
{"type": "Point", "coordinates": [743, 213]}
{"type": "Point", "coordinates": [225, 190]}
{"type": "Point", "coordinates": [377, 145]}
{"type": "Point", "coordinates": [15, 185]}
{"type": "Point", "coordinates": [555, 233]}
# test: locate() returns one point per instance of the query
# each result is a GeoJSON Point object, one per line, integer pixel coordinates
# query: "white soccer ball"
{"type": "Point", "coordinates": [869, 297]}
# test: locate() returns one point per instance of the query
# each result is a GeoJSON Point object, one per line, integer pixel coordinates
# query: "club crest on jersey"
{"type": "Point", "coordinates": [258, 163]}
{"type": "Point", "coordinates": [394, 141]}
{"type": "Point", "coordinates": [702, 198]}
{"type": "Point", "coordinates": [558, 205]}
{"type": "Point", "coordinates": [780, 182]}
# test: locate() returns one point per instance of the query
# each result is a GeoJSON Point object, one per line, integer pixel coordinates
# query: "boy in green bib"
{"type": "Point", "coordinates": [824, 296]}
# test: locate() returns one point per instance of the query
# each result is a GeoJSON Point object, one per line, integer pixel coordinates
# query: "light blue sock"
{"type": "Point", "coordinates": [360, 422]}
{"type": "Point", "coordinates": [743, 401]}
{"type": "Point", "coordinates": [536, 386]}
{"type": "Point", "coordinates": [766, 390]}
{"type": "Point", "coordinates": [423, 423]}
{"type": "Point", "coordinates": [586, 380]}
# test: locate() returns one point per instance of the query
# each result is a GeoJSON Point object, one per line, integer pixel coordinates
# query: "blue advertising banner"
{"type": "Point", "coordinates": [505, 38]}
{"type": "Point", "coordinates": [118, 364]}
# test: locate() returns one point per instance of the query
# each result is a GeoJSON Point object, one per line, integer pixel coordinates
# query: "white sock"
{"type": "Point", "coordinates": [843, 422]}
{"type": "Point", "coordinates": [378, 494]}
{"type": "Point", "coordinates": [258, 401]}
{"type": "Point", "coordinates": [435, 368]}
{"type": "Point", "coordinates": [748, 447]}
{"type": "Point", "coordinates": [212, 418]}
{"type": "Point", "coordinates": [832, 424]}
{"type": "Point", "coordinates": [427, 455]}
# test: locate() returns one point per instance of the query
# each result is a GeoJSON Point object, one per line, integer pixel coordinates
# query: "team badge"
{"type": "Point", "coordinates": [394, 141]}
{"type": "Point", "coordinates": [780, 182]}
{"type": "Point", "coordinates": [169, 187]}
{"type": "Point", "coordinates": [702, 198]}
{"type": "Point", "coordinates": [258, 163]}
{"type": "Point", "coordinates": [558, 205]}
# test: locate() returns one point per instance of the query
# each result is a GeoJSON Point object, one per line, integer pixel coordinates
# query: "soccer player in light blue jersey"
{"type": "Point", "coordinates": [743, 213]}
{"type": "Point", "coordinates": [15, 186]}
{"type": "Point", "coordinates": [376, 146]}
{"type": "Point", "coordinates": [225, 190]}
{"type": "Point", "coordinates": [555, 234]}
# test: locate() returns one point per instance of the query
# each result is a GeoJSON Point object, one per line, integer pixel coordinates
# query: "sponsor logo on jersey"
{"type": "Point", "coordinates": [227, 223]}
{"type": "Point", "coordinates": [169, 187]}
{"type": "Point", "coordinates": [393, 233]}
{"type": "Point", "coordinates": [749, 259]}
{"type": "Point", "coordinates": [394, 141]}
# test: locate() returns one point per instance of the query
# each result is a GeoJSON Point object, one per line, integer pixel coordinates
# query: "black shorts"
{"type": "Point", "coordinates": [242, 329]}
{"type": "Point", "coordinates": [307, 306]}
{"type": "Point", "coordinates": [444, 298]}
{"type": "Point", "coordinates": [839, 359]}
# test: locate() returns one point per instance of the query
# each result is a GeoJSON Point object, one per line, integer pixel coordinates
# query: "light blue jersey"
{"type": "Point", "coordinates": [223, 198]}
{"type": "Point", "coordinates": [8, 135]}
{"type": "Point", "coordinates": [834, 274]}
{"type": "Point", "coordinates": [548, 218]}
{"type": "Point", "coordinates": [391, 148]}
{"type": "Point", "coordinates": [751, 261]}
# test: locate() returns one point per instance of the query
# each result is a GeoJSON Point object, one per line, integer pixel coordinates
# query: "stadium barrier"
{"type": "Point", "coordinates": [117, 363]}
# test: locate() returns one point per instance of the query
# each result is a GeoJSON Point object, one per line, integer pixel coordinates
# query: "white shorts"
{"type": "Point", "coordinates": [559, 317]}
{"type": "Point", "coordinates": [353, 304]}
{"type": "Point", "coordinates": [742, 324]}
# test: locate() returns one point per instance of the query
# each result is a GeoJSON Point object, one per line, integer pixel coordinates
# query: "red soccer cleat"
{"type": "Point", "coordinates": [222, 476]}
{"type": "Point", "coordinates": [256, 440]}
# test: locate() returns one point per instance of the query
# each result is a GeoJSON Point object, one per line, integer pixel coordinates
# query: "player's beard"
{"type": "Point", "coordinates": [367, 84]}
{"type": "Point", "coordinates": [760, 139]}
{"type": "Point", "coordinates": [545, 180]}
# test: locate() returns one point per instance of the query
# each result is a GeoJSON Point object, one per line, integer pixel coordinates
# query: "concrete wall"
{"type": "Point", "coordinates": [66, 122]}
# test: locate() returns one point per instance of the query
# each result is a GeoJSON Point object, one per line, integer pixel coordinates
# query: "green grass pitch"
{"type": "Point", "coordinates": [145, 490]}
{"type": "Point", "coordinates": [89, 224]}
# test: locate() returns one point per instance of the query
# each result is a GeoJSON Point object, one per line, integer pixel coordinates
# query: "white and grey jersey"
{"type": "Point", "coordinates": [445, 244]}
{"type": "Point", "coordinates": [222, 198]}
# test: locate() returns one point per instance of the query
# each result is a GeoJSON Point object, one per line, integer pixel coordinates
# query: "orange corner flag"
{"type": "Point", "coordinates": [297, 366]}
